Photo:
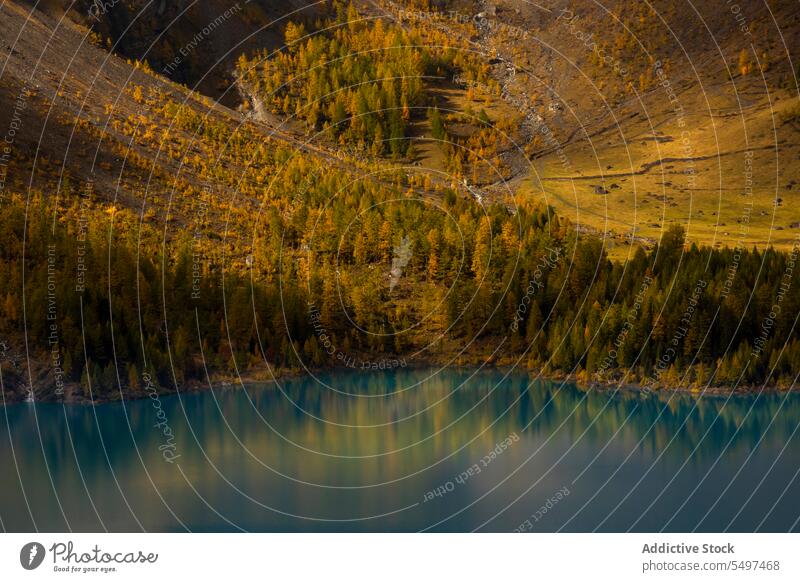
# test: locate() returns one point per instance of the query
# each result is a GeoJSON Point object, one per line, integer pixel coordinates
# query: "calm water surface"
{"type": "Point", "coordinates": [364, 452]}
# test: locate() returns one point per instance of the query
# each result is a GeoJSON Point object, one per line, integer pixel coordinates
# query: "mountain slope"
{"type": "Point", "coordinates": [385, 194]}
{"type": "Point", "coordinates": [645, 117]}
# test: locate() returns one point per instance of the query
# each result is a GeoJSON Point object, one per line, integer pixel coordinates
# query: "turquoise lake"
{"type": "Point", "coordinates": [404, 450]}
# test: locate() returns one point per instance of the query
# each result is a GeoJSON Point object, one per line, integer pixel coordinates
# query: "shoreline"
{"type": "Point", "coordinates": [73, 392]}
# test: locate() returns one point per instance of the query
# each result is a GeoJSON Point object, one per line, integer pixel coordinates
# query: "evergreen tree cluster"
{"type": "Point", "coordinates": [112, 302]}
{"type": "Point", "coordinates": [359, 78]}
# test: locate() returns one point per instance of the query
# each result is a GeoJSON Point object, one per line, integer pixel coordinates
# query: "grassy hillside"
{"type": "Point", "coordinates": [645, 117]}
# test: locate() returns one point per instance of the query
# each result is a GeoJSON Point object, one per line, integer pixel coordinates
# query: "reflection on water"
{"type": "Point", "coordinates": [405, 450]}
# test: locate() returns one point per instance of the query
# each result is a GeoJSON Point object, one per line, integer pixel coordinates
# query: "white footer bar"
{"type": "Point", "coordinates": [400, 557]}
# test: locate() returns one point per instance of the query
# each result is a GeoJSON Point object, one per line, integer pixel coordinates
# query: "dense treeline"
{"type": "Point", "coordinates": [106, 306]}
{"type": "Point", "coordinates": [672, 316]}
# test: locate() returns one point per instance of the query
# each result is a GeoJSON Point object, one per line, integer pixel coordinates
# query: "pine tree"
{"type": "Point", "coordinates": [482, 250]}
